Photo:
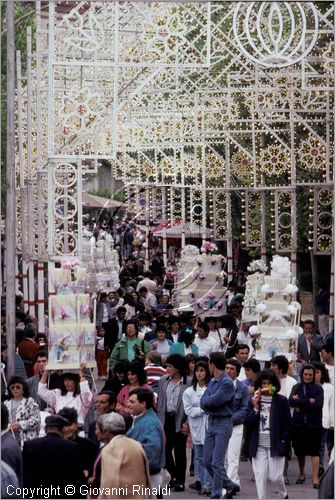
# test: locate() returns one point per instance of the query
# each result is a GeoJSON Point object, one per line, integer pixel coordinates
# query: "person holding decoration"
{"type": "Point", "coordinates": [74, 393]}
{"type": "Point", "coordinates": [269, 423]}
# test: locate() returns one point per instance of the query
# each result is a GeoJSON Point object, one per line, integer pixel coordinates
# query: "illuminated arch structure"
{"type": "Point", "coordinates": [198, 106]}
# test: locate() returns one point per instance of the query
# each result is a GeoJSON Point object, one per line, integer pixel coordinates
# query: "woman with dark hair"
{"type": "Point", "coordinates": [24, 412]}
{"type": "Point", "coordinates": [73, 393]}
{"type": "Point", "coordinates": [117, 377]}
{"type": "Point", "coordinates": [197, 421]}
{"type": "Point", "coordinates": [137, 377]}
{"type": "Point", "coordinates": [185, 344]}
{"type": "Point", "coordinates": [269, 426]}
{"type": "Point", "coordinates": [307, 400]}
{"type": "Point", "coordinates": [190, 361]}
{"type": "Point", "coordinates": [322, 378]}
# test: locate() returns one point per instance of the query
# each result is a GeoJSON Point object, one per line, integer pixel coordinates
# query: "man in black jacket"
{"type": "Point", "coordinates": [52, 461]}
{"type": "Point", "coordinates": [117, 327]}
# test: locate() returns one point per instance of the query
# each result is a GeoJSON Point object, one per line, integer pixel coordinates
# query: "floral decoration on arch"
{"type": "Point", "coordinates": [312, 154]}
{"type": "Point", "coordinates": [275, 160]}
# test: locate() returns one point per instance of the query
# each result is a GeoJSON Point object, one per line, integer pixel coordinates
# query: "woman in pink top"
{"type": "Point", "coordinates": [137, 377]}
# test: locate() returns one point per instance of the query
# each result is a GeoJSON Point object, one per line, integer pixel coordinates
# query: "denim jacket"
{"type": "Point", "coordinates": [218, 399]}
{"type": "Point", "coordinates": [241, 406]}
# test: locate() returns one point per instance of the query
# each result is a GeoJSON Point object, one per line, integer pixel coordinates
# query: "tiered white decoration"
{"type": "Point", "coordinates": [201, 288]}
{"type": "Point", "coordinates": [253, 296]}
{"type": "Point", "coordinates": [102, 263]}
{"type": "Point", "coordinates": [71, 330]}
{"type": "Point", "coordinates": [278, 315]}
{"type": "Point", "coordinates": [187, 277]}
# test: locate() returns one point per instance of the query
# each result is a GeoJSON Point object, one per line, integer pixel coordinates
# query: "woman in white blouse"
{"type": "Point", "coordinates": [72, 394]}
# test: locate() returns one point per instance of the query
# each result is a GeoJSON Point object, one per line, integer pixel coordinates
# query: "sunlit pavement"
{"type": "Point", "coordinates": [248, 487]}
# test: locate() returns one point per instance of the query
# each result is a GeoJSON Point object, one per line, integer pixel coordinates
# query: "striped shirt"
{"type": "Point", "coordinates": [172, 395]}
{"type": "Point", "coordinates": [154, 373]}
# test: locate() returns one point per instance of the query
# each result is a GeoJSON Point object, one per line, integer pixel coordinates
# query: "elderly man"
{"type": "Point", "coordinates": [124, 464]}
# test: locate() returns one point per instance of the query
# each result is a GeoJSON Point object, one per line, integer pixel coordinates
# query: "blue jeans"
{"type": "Point", "coordinates": [215, 447]}
{"type": "Point", "coordinates": [200, 470]}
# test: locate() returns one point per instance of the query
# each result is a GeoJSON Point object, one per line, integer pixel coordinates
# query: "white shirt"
{"type": "Point", "coordinates": [241, 375]}
{"type": "Point", "coordinates": [330, 369]}
{"type": "Point", "coordinates": [206, 346]}
{"type": "Point", "coordinates": [105, 317]}
{"type": "Point", "coordinates": [218, 336]}
{"type": "Point", "coordinates": [151, 285]}
{"type": "Point", "coordinates": [150, 300]}
{"type": "Point", "coordinates": [81, 402]}
{"type": "Point", "coordinates": [328, 406]}
{"type": "Point", "coordinates": [175, 337]}
{"type": "Point", "coordinates": [286, 385]}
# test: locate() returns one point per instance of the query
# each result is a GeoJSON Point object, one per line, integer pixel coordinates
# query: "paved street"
{"type": "Point", "coordinates": [248, 489]}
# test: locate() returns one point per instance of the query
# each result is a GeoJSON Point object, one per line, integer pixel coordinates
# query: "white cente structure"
{"type": "Point", "coordinates": [217, 114]}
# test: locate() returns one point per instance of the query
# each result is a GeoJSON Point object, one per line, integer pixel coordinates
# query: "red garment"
{"type": "Point", "coordinates": [27, 350]}
{"type": "Point", "coordinates": [123, 397]}
{"type": "Point", "coordinates": [102, 356]}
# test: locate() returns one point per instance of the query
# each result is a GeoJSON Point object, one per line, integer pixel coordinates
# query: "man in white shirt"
{"type": "Point", "coordinates": [279, 364]}
{"type": "Point", "coordinates": [147, 282]}
{"type": "Point", "coordinates": [147, 298]}
{"type": "Point", "coordinates": [327, 355]}
{"type": "Point", "coordinates": [242, 355]}
{"type": "Point", "coordinates": [203, 341]}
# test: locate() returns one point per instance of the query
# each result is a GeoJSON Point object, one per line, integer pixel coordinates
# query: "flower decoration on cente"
{"type": "Point", "coordinates": [290, 289]}
{"type": "Point", "coordinates": [261, 308]}
{"type": "Point", "coordinates": [257, 266]}
{"type": "Point", "coordinates": [280, 267]}
{"type": "Point", "coordinates": [71, 263]}
{"type": "Point", "coordinates": [253, 330]}
{"type": "Point", "coordinates": [209, 247]}
{"type": "Point", "coordinates": [266, 288]}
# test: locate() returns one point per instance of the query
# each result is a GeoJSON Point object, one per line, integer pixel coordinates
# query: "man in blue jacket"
{"type": "Point", "coordinates": [218, 402]}
{"type": "Point", "coordinates": [241, 409]}
{"type": "Point", "coordinates": [148, 431]}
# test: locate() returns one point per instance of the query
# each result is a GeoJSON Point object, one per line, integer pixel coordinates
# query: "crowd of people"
{"type": "Point", "coordinates": [168, 381]}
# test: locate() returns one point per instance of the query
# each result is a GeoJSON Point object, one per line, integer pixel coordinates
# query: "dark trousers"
{"type": "Point", "coordinates": [175, 442]}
